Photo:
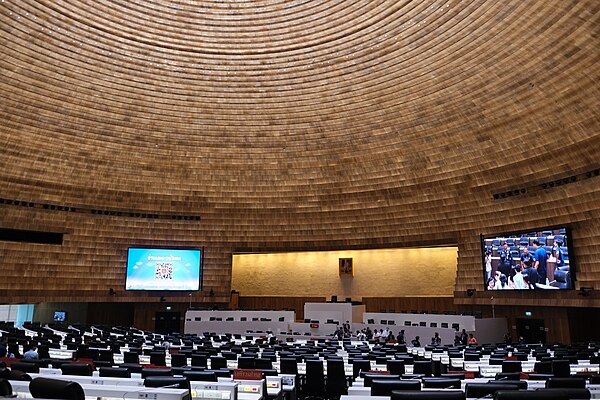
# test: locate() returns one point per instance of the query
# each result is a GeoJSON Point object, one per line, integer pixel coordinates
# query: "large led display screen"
{"type": "Point", "coordinates": [163, 269]}
{"type": "Point", "coordinates": [536, 259]}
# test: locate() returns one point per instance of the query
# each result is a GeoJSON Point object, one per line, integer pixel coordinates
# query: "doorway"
{"type": "Point", "coordinates": [167, 322]}
{"type": "Point", "coordinates": [532, 330]}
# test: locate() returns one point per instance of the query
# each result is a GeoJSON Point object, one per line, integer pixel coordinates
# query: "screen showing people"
{"type": "Point", "coordinates": [527, 260]}
{"type": "Point", "coordinates": [162, 269]}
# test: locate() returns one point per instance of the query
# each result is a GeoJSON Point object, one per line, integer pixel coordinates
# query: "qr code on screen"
{"type": "Point", "coordinates": [163, 271]}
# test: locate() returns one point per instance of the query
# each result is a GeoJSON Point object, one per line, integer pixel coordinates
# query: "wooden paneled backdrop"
{"type": "Point", "coordinates": [292, 127]}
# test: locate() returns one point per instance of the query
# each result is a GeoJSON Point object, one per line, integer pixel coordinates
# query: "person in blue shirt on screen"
{"type": "Point", "coordinates": [558, 253]}
{"type": "Point", "coordinates": [526, 259]}
{"type": "Point", "coordinates": [540, 262]}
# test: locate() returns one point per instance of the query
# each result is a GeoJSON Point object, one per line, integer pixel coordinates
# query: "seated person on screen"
{"type": "Point", "coordinates": [501, 281]}
{"type": "Point", "coordinates": [517, 280]}
{"type": "Point", "coordinates": [416, 342]}
{"type": "Point", "coordinates": [527, 259]}
{"type": "Point", "coordinates": [31, 354]}
{"type": "Point", "coordinates": [530, 277]}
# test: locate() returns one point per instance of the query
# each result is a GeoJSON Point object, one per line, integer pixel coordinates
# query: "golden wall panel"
{"type": "Point", "coordinates": [385, 272]}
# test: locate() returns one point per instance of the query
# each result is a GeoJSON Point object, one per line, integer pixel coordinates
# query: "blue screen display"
{"type": "Point", "coordinates": [162, 269]}
{"type": "Point", "coordinates": [60, 316]}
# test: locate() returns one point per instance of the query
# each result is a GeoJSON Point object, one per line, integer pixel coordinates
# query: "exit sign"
{"type": "Point", "coordinates": [528, 313]}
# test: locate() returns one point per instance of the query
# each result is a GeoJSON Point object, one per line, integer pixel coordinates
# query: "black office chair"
{"type": "Point", "coordinates": [246, 363]}
{"type": "Point", "coordinates": [511, 366]}
{"type": "Point", "coordinates": [460, 376]}
{"type": "Point", "coordinates": [5, 387]}
{"type": "Point", "coordinates": [396, 367]}
{"type": "Point", "coordinates": [472, 357]}
{"type": "Point", "coordinates": [199, 360]}
{"type": "Point", "coordinates": [477, 390]}
{"type": "Point", "coordinates": [130, 357]}
{"type": "Point", "coordinates": [543, 367]}
{"type": "Point", "coordinates": [369, 377]}
{"type": "Point", "coordinates": [337, 384]}
{"type": "Point", "coordinates": [263, 363]}
{"type": "Point", "coordinates": [204, 376]}
{"type": "Point", "coordinates": [158, 359]}
{"type": "Point", "coordinates": [288, 366]}
{"type": "Point", "coordinates": [315, 379]}
{"type": "Point", "coordinates": [56, 389]}
{"type": "Point", "coordinates": [441, 383]}
{"type": "Point", "coordinates": [561, 368]}
{"type": "Point", "coordinates": [385, 387]}
{"type": "Point", "coordinates": [508, 376]}
{"type": "Point", "coordinates": [133, 368]}
{"type": "Point", "coordinates": [30, 368]}
{"type": "Point", "coordinates": [521, 385]}
{"type": "Point", "coordinates": [76, 369]}
{"type": "Point", "coordinates": [545, 394]}
{"type": "Point", "coordinates": [423, 368]}
{"type": "Point", "coordinates": [168, 382]}
{"type": "Point", "coordinates": [565, 383]}
{"type": "Point", "coordinates": [147, 372]}
{"type": "Point", "coordinates": [110, 372]}
{"type": "Point", "coordinates": [16, 375]}
{"type": "Point", "coordinates": [571, 393]}
{"type": "Point", "coordinates": [359, 365]}
{"type": "Point", "coordinates": [427, 395]}
{"type": "Point", "coordinates": [218, 362]}
{"type": "Point", "coordinates": [178, 360]}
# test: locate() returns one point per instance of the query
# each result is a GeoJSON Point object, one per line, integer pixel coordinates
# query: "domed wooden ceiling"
{"type": "Point", "coordinates": [319, 105]}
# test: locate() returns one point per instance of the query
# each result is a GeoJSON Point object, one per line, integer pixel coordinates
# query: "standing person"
{"type": "Point", "coordinates": [31, 354]}
{"type": "Point", "coordinates": [488, 265]}
{"type": "Point", "coordinates": [540, 262]}
{"type": "Point", "coordinates": [436, 340]}
{"type": "Point", "coordinates": [347, 329]}
{"type": "Point", "coordinates": [558, 254]}
{"type": "Point", "coordinates": [505, 260]}
{"type": "Point", "coordinates": [464, 337]}
{"type": "Point", "coordinates": [3, 347]}
{"type": "Point", "coordinates": [400, 337]}
{"type": "Point", "coordinates": [519, 282]}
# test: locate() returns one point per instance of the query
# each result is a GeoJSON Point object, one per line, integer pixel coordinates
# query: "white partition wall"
{"type": "Point", "coordinates": [466, 322]}
{"type": "Point", "coordinates": [340, 312]}
{"type": "Point", "coordinates": [241, 322]}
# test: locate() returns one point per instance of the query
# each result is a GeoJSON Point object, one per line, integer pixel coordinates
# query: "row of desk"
{"type": "Point", "coordinates": [133, 388]}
